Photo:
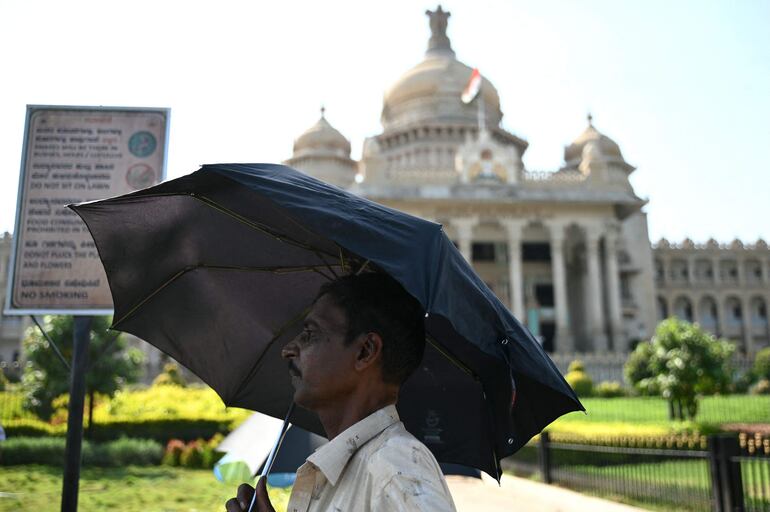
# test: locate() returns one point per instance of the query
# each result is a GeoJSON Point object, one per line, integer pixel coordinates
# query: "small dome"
{"type": "Point", "coordinates": [608, 147]}
{"type": "Point", "coordinates": [431, 90]}
{"type": "Point", "coordinates": [322, 138]}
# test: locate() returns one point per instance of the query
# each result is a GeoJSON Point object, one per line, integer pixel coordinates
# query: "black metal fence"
{"type": "Point", "coordinates": [721, 473]}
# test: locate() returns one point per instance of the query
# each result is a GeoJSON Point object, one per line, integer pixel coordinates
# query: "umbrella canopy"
{"type": "Point", "coordinates": [218, 268]}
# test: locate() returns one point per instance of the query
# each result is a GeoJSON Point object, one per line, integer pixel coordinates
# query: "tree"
{"type": "Point", "coordinates": [110, 364]}
{"type": "Point", "coordinates": [681, 362]}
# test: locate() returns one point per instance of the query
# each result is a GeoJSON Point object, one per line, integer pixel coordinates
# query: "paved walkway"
{"type": "Point", "coordinates": [522, 495]}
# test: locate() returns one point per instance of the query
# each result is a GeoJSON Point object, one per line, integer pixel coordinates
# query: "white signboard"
{"type": "Point", "coordinates": [71, 155]}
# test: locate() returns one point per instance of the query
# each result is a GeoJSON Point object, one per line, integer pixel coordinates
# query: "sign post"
{"type": "Point", "coordinates": [73, 448]}
{"type": "Point", "coordinates": [72, 155]}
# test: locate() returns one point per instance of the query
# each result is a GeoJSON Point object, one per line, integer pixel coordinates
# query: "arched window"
{"type": "Point", "coordinates": [683, 309]}
{"type": "Point", "coordinates": [708, 316]}
{"type": "Point", "coordinates": [679, 271]}
{"type": "Point", "coordinates": [662, 308]}
{"type": "Point", "coordinates": [758, 313]}
{"type": "Point", "coordinates": [704, 271]}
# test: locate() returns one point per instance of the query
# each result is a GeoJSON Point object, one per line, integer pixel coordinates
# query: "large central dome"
{"type": "Point", "coordinates": [429, 93]}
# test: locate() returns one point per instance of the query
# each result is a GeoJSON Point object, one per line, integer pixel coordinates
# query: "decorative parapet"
{"type": "Point", "coordinates": [689, 245]}
{"type": "Point", "coordinates": [549, 177]}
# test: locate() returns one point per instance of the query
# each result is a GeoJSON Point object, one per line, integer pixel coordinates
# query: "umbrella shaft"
{"type": "Point", "coordinates": [274, 452]}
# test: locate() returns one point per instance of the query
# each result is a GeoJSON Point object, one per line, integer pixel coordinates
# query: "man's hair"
{"type": "Point", "coordinates": [375, 302]}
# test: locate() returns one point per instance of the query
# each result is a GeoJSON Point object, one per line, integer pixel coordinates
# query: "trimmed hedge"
{"type": "Point", "coordinates": [158, 429]}
{"type": "Point", "coordinates": [50, 451]}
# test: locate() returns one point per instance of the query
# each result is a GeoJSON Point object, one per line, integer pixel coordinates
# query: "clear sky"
{"type": "Point", "coordinates": [683, 86]}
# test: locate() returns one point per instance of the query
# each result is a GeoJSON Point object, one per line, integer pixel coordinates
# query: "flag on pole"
{"type": "Point", "coordinates": [474, 86]}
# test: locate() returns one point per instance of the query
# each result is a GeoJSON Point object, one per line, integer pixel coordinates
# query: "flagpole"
{"type": "Point", "coordinates": [481, 112]}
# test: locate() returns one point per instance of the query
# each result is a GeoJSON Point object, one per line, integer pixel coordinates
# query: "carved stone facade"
{"type": "Point", "coordinates": [724, 288]}
{"type": "Point", "coordinates": [11, 327]}
{"type": "Point", "coordinates": [567, 250]}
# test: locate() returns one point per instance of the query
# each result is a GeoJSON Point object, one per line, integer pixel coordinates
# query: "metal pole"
{"type": "Point", "coordinates": [72, 451]}
{"type": "Point", "coordinates": [545, 457]}
{"type": "Point", "coordinates": [273, 453]}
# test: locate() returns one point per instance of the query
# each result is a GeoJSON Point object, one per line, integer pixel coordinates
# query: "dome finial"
{"type": "Point", "coordinates": [323, 111]}
{"type": "Point", "coordinates": [590, 119]}
{"type": "Point", "coordinates": [439, 43]}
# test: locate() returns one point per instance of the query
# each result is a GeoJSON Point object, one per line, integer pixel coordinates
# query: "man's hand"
{"type": "Point", "coordinates": [245, 493]}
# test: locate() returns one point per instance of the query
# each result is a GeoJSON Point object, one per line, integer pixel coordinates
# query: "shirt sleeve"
{"type": "Point", "coordinates": [406, 493]}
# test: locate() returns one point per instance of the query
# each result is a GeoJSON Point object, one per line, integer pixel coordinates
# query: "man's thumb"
{"type": "Point", "coordinates": [263, 500]}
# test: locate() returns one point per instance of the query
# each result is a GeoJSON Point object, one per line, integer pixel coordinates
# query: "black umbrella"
{"type": "Point", "coordinates": [218, 268]}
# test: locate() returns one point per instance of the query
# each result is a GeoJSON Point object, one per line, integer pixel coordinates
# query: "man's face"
{"type": "Point", "coordinates": [321, 366]}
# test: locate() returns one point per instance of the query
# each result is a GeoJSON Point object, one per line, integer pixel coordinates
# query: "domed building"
{"type": "Point", "coordinates": [568, 251]}
{"type": "Point", "coordinates": [324, 152]}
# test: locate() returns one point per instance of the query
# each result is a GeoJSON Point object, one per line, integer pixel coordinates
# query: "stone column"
{"type": "Point", "coordinates": [690, 270]}
{"type": "Point", "coordinates": [513, 228]}
{"type": "Point", "coordinates": [720, 328]}
{"type": "Point", "coordinates": [595, 323]}
{"type": "Point", "coordinates": [694, 302]}
{"type": "Point", "coordinates": [717, 270]}
{"type": "Point", "coordinates": [748, 337]}
{"type": "Point", "coordinates": [613, 289]}
{"type": "Point", "coordinates": [564, 339]}
{"type": "Point", "coordinates": [464, 228]}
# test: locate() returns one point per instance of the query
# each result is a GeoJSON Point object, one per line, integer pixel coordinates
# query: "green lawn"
{"type": "Point", "coordinates": [654, 410]}
{"type": "Point", "coordinates": [132, 489]}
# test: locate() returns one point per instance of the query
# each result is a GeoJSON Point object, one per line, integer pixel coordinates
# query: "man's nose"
{"type": "Point", "coordinates": [289, 351]}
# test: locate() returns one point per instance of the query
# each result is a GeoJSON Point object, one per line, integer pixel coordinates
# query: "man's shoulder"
{"type": "Point", "coordinates": [408, 475]}
{"type": "Point", "coordinates": [396, 451]}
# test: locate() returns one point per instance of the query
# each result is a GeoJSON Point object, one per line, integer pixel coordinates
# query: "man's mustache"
{"type": "Point", "coordinates": [293, 370]}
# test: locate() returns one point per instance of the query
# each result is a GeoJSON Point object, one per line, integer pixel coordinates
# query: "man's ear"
{"type": "Point", "coordinates": [369, 351]}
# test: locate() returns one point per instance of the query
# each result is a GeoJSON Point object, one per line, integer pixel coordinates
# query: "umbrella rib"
{"type": "Point", "coordinates": [320, 257]}
{"type": "Point", "coordinates": [451, 358]}
{"type": "Point", "coordinates": [280, 332]}
{"type": "Point", "coordinates": [275, 270]}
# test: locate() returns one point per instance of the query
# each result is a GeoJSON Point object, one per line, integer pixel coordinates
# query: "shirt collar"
{"type": "Point", "coordinates": [332, 458]}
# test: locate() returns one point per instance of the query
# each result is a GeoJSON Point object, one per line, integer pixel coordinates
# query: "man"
{"type": "Point", "coordinates": [360, 341]}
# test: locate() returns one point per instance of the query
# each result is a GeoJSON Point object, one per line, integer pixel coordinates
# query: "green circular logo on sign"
{"type": "Point", "coordinates": [142, 144]}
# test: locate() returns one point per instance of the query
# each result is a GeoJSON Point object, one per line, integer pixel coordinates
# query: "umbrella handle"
{"type": "Point", "coordinates": [271, 458]}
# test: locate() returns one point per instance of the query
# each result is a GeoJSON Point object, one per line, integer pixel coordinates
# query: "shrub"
{"type": "Point", "coordinates": [682, 361]}
{"type": "Point", "coordinates": [580, 382]}
{"type": "Point", "coordinates": [171, 376]}
{"type": "Point", "coordinates": [3, 380]}
{"type": "Point", "coordinates": [195, 454]}
{"type": "Point", "coordinates": [124, 452]}
{"type": "Point", "coordinates": [192, 455]}
{"type": "Point", "coordinates": [576, 366]}
{"type": "Point", "coordinates": [761, 367]}
{"type": "Point", "coordinates": [173, 452]}
{"type": "Point", "coordinates": [761, 388]}
{"type": "Point", "coordinates": [50, 451]}
{"type": "Point", "coordinates": [609, 389]}
{"type": "Point", "coordinates": [111, 363]}
{"type": "Point", "coordinates": [25, 427]}
{"type": "Point", "coordinates": [32, 450]}
{"type": "Point", "coordinates": [637, 370]}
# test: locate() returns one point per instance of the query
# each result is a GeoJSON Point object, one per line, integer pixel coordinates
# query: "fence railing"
{"type": "Point", "coordinates": [609, 366]}
{"type": "Point", "coordinates": [721, 473]}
